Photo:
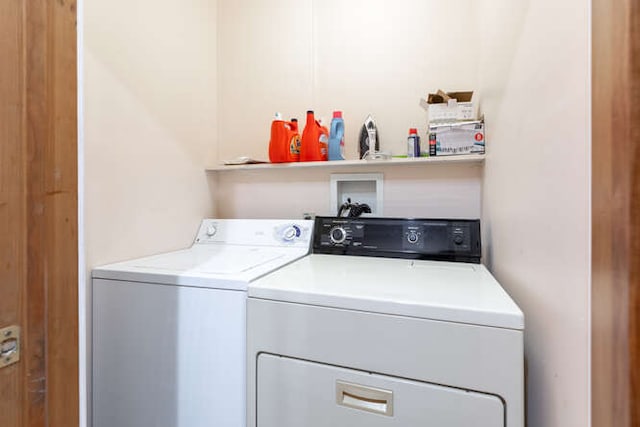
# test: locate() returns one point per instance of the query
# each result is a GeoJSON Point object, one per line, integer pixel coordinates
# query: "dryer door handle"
{"type": "Point", "coordinates": [365, 398]}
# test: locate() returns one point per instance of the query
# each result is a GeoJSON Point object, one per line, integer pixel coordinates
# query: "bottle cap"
{"type": "Point", "coordinates": [294, 119]}
{"type": "Point", "coordinates": [413, 131]}
{"type": "Point", "coordinates": [309, 111]}
{"type": "Point", "coordinates": [337, 114]}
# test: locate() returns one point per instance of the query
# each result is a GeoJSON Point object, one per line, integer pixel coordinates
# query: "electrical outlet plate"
{"type": "Point", "coordinates": [361, 188]}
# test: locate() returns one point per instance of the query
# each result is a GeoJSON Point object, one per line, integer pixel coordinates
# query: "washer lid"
{"type": "Point", "coordinates": [455, 292]}
{"type": "Point", "coordinates": [223, 260]}
{"type": "Point", "coordinates": [219, 266]}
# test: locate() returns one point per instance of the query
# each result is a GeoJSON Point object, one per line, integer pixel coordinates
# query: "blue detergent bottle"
{"type": "Point", "coordinates": [336, 137]}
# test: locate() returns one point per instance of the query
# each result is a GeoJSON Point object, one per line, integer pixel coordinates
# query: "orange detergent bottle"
{"type": "Point", "coordinates": [284, 145]}
{"type": "Point", "coordinates": [315, 139]}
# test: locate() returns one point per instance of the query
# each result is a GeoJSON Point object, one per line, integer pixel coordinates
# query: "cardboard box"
{"type": "Point", "coordinates": [447, 107]}
{"type": "Point", "coordinates": [449, 139]}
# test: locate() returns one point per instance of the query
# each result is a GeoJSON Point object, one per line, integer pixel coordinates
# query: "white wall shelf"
{"type": "Point", "coordinates": [471, 158]}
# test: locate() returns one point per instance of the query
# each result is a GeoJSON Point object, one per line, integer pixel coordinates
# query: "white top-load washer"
{"type": "Point", "coordinates": [389, 322]}
{"type": "Point", "coordinates": [169, 331]}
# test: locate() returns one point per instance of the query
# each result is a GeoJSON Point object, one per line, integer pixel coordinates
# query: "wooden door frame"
{"type": "Point", "coordinates": [41, 196]}
{"type": "Point", "coordinates": [53, 186]}
{"type": "Point", "coordinates": [615, 214]}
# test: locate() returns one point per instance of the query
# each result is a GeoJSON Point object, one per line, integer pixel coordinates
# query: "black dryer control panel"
{"type": "Point", "coordinates": [434, 239]}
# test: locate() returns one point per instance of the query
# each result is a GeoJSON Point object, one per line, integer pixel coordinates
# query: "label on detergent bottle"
{"type": "Point", "coordinates": [324, 142]}
{"type": "Point", "coordinates": [294, 145]}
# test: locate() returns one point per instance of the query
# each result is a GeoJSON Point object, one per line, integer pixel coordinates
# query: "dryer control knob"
{"type": "Point", "coordinates": [458, 239]}
{"type": "Point", "coordinates": [337, 235]}
{"type": "Point", "coordinates": [413, 237]}
{"type": "Point", "coordinates": [211, 230]}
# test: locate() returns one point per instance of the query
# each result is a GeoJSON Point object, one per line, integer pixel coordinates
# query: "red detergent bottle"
{"type": "Point", "coordinates": [284, 145]}
{"type": "Point", "coordinates": [315, 139]}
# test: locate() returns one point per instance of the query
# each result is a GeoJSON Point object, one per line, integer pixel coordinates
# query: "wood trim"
{"type": "Point", "coordinates": [616, 214]}
{"type": "Point", "coordinates": [634, 159]}
{"type": "Point", "coordinates": [61, 200]}
{"type": "Point", "coordinates": [50, 306]}
{"type": "Point", "coordinates": [35, 336]}
{"type": "Point", "coordinates": [12, 204]}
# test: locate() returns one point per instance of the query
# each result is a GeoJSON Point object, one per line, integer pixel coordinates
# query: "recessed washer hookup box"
{"type": "Point", "coordinates": [456, 138]}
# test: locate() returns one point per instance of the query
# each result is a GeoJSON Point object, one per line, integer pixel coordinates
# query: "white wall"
{"type": "Point", "coordinates": [149, 125]}
{"type": "Point", "coordinates": [359, 56]}
{"type": "Point", "coordinates": [535, 85]}
{"type": "Point", "coordinates": [264, 66]}
{"type": "Point", "coordinates": [417, 191]}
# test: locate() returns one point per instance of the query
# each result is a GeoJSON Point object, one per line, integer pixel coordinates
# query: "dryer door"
{"type": "Point", "coordinates": [294, 393]}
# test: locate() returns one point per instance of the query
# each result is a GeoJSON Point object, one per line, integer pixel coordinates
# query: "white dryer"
{"type": "Point", "coordinates": [390, 323]}
{"type": "Point", "coordinates": [169, 331]}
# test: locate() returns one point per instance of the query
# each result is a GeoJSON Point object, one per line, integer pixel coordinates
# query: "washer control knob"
{"type": "Point", "coordinates": [337, 235]}
{"type": "Point", "coordinates": [412, 237]}
{"type": "Point", "coordinates": [211, 230]}
{"type": "Point", "coordinates": [458, 239]}
{"type": "Point", "coordinates": [290, 233]}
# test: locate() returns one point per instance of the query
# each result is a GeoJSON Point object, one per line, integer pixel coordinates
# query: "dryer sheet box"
{"type": "Point", "coordinates": [447, 139]}
{"type": "Point", "coordinates": [449, 107]}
